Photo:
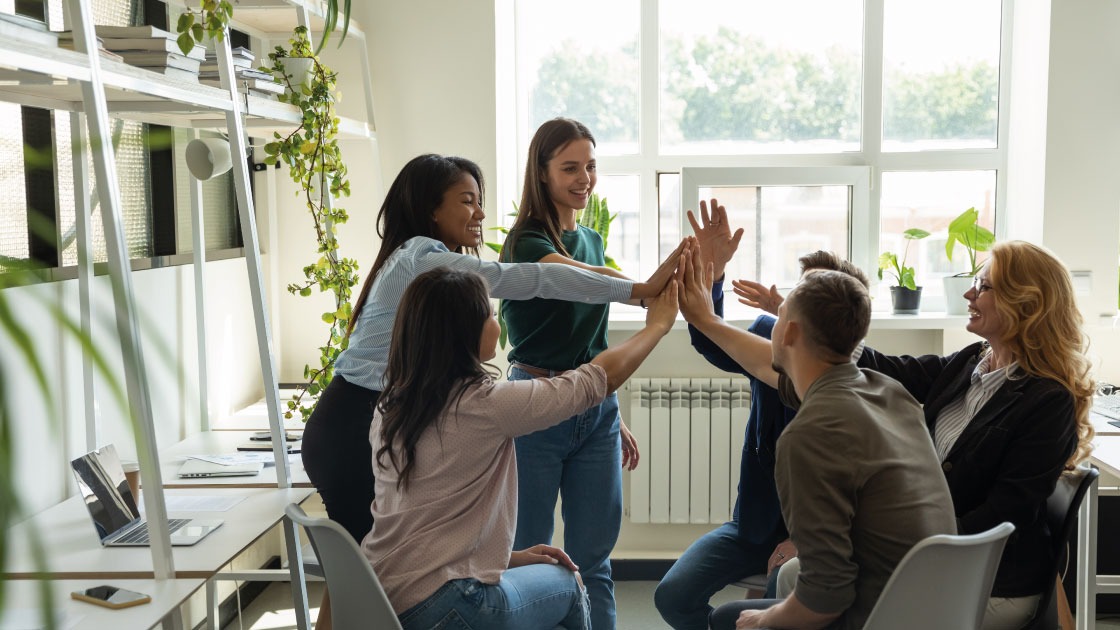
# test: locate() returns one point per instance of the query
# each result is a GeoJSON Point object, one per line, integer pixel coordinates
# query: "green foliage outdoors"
{"type": "Point", "coordinates": [733, 87]}
{"type": "Point", "coordinates": [314, 161]}
{"type": "Point", "coordinates": [974, 237]}
{"type": "Point", "coordinates": [903, 275]}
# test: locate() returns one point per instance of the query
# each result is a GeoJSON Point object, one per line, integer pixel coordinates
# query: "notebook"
{"type": "Point", "coordinates": [112, 507]}
{"type": "Point", "coordinates": [196, 468]}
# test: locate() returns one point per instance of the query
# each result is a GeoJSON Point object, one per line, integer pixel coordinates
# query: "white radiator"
{"type": "Point", "coordinates": [690, 431]}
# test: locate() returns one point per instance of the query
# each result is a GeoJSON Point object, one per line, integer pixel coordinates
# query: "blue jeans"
{"type": "Point", "coordinates": [581, 459]}
{"type": "Point", "coordinates": [543, 596]}
{"type": "Point", "coordinates": [715, 560]}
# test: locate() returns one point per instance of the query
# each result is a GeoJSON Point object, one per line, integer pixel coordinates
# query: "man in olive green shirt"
{"type": "Point", "coordinates": [857, 476]}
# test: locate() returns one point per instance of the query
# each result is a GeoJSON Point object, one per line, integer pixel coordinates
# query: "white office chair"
{"type": "Point", "coordinates": [943, 582]}
{"type": "Point", "coordinates": [357, 599]}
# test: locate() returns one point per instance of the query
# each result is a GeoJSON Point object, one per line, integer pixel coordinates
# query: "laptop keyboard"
{"type": "Point", "coordinates": [140, 534]}
{"type": "Point", "coordinates": [1108, 406]}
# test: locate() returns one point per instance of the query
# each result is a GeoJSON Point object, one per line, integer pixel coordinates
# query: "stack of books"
{"type": "Point", "coordinates": [148, 47]}
{"type": "Point", "coordinates": [249, 81]}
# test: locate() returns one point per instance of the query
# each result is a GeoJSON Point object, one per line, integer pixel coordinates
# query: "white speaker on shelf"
{"type": "Point", "coordinates": [208, 157]}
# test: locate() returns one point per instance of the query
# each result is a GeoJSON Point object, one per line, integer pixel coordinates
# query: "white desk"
{"type": "Point", "coordinates": [1102, 425]}
{"type": "Point", "coordinates": [1106, 456]}
{"type": "Point", "coordinates": [22, 603]}
{"type": "Point", "coordinates": [216, 442]}
{"type": "Point", "coordinates": [74, 552]}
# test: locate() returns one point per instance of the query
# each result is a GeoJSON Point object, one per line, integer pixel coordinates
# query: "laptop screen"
{"type": "Point", "coordinates": [105, 490]}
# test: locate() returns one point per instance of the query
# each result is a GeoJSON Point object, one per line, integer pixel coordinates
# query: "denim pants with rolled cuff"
{"type": "Point", "coordinates": [537, 596]}
{"type": "Point", "coordinates": [581, 460]}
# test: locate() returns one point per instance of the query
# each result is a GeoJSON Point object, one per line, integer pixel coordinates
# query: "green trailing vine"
{"type": "Point", "coordinates": [314, 162]}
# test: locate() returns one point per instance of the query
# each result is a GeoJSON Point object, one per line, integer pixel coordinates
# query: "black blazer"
{"type": "Point", "coordinates": [1006, 462]}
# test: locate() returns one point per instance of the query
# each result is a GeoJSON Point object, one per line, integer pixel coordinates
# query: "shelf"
{"type": "Point", "coordinates": [134, 93]}
{"type": "Point", "coordinates": [274, 19]}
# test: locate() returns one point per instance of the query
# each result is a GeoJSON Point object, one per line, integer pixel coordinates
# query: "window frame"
{"type": "Point", "coordinates": [648, 162]}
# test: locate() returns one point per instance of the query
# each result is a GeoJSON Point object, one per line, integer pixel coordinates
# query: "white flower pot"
{"type": "Point", "coordinates": [955, 288]}
{"type": "Point", "coordinates": [300, 70]}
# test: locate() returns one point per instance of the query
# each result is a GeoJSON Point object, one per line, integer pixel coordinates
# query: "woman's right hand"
{"type": "Point", "coordinates": [541, 554]}
{"type": "Point", "coordinates": [662, 310]}
{"type": "Point", "coordinates": [660, 278]}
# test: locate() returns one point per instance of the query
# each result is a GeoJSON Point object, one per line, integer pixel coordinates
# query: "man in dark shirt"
{"type": "Point", "coordinates": [755, 540]}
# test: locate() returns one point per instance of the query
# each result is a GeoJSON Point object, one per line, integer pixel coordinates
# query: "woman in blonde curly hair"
{"type": "Point", "coordinates": [1008, 414]}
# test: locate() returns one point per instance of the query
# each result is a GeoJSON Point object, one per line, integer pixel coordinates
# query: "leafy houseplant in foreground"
{"type": "Point", "coordinates": [314, 162]}
{"type": "Point", "coordinates": [905, 295]}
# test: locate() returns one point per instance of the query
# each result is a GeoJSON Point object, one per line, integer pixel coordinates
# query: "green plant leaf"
{"type": "Point", "coordinates": [914, 234]}
{"type": "Point", "coordinates": [185, 42]}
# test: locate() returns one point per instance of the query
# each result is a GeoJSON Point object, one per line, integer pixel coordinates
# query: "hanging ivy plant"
{"type": "Point", "coordinates": [314, 162]}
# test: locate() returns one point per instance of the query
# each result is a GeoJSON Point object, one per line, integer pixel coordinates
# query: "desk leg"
{"type": "Point", "coordinates": [212, 617]}
{"type": "Point", "coordinates": [1087, 561]}
{"type": "Point", "coordinates": [295, 566]}
{"type": "Point", "coordinates": [173, 620]}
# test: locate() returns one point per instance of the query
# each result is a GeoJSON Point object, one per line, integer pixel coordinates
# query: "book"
{"type": "Point", "coordinates": [211, 65]}
{"type": "Point", "coordinates": [154, 59]}
{"type": "Point", "coordinates": [269, 87]}
{"type": "Point", "coordinates": [174, 73]}
{"type": "Point", "coordinates": [293, 447]}
{"type": "Point", "coordinates": [165, 45]}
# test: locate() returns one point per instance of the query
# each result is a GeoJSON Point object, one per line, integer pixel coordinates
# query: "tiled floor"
{"type": "Point", "coordinates": [273, 609]}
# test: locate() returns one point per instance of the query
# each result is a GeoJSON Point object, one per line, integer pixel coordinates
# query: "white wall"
{"type": "Point", "coordinates": [165, 299]}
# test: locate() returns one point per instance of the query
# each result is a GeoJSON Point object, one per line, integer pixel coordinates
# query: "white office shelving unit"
{"type": "Point", "coordinates": [44, 76]}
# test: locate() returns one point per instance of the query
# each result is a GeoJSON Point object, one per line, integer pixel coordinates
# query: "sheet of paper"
{"type": "Point", "coordinates": [245, 457]}
{"type": "Point", "coordinates": [201, 503]}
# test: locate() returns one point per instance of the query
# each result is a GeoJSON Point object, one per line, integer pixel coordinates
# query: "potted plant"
{"type": "Point", "coordinates": [314, 161]}
{"type": "Point", "coordinates": [975, 238]}
{"type": "Point", "coordinates": [595, 216]}
{"type": "Point", "coordinates": [212, 17]}
{"type": "Point", "coordinates": [906, 297]}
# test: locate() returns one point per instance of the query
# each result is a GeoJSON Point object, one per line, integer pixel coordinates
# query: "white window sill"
{"type": "Point", "coordinates": [625, 317]}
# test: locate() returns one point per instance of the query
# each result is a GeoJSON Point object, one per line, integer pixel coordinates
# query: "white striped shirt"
{"type": "Point", "coordinates": [955, 416]}
{"type": "Point", "coordinates": [364, 360]}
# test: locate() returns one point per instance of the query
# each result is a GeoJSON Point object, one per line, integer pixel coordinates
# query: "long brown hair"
{"type": "Point", "coordinates": [408, 207]}
{"type": "Point", "coordinates": [536, 203]}
{"type": "Point", "coordinates": [1035, 299]}
{"type": "Point", "coordinates": [433, 359]}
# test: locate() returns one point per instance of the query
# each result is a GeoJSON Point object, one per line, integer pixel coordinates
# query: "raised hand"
{"type": "Point", "coordinates": [713, 233]}
{"type": "Point", "coordinates": [662, 310]}
{"type": "Point", "coordinates": [664, 273]}
{"type": "Point", "coordinates": [757, 295]}
{"type": "Point", "coordinates": [695, 280]}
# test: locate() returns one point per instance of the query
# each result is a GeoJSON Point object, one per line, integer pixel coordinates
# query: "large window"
{"type": "Point", "coordinates": [672, 85]}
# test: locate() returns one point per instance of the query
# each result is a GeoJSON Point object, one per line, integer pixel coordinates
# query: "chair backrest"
{"type": "Point", "coordinates": [1061, 515]}
{"type": "Point", "coordinates": [357, 599]}
{"type": "Point", "coordinates": [942, 582]}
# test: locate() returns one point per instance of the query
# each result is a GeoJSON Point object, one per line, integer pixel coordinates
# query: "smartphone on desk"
{"type": "Point", "coordinates": [111, 596]}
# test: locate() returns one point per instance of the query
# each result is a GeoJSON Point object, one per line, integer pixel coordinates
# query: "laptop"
{"type": "Point", "coordinates": [198, 468]}
{"type": "Point", "coordinates": [1109, 407]}
{"type": "Point", "coordinates": [113, 509]}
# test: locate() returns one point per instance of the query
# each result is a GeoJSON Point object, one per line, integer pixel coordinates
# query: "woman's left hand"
{"type": "Point", "coordinates": [630, 453]}
{"type": "Point", "coordinates": [541, 554]}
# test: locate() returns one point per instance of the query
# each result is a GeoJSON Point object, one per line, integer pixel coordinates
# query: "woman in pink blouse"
{"type": "Point", "coordinates": [446, 476]}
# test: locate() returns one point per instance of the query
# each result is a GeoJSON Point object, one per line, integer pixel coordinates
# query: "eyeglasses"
{"type": "Point", "coordinates": [979, 286]}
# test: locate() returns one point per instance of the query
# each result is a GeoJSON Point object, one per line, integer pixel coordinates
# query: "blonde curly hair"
{"type": "Point", "coordinates": [1035, 299]}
